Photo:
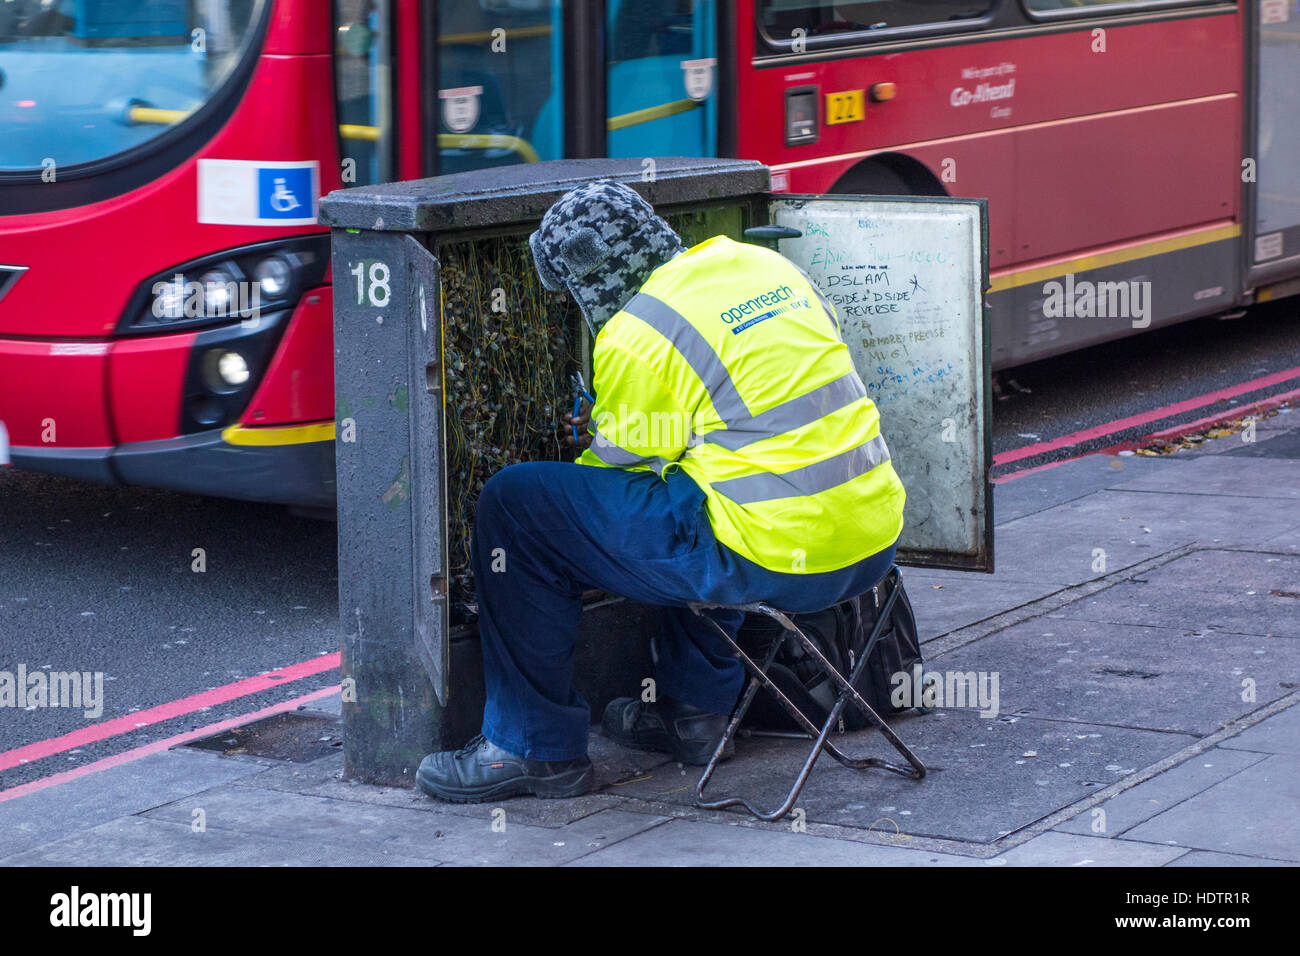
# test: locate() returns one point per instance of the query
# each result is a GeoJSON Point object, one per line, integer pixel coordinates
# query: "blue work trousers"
{"type": "Point", "coordinates": [547, 531]}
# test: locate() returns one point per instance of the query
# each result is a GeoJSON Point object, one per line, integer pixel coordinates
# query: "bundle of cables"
{"type": "Point", "coordinates": [510, 348]}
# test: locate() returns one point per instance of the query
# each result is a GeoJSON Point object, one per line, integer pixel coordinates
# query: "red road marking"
{"type": "Point", "coordinates": [1262, 405]}
{"type": "Point", "coordinates": [176, 708]}
{"type": "Point", "coordinates": [1013, 475]}
{"type": "Point", "coordinates": [127, 756]}
{"type": "Point", "coordinates": [1174, 431]}
{"type": "Point", "coordinates": [1132, 421]}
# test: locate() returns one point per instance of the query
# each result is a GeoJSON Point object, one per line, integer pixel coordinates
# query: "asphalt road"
{"type": "Point", "coordinates": [1148, 371]}
{"type": "Point", "coordinates": [95, 578]}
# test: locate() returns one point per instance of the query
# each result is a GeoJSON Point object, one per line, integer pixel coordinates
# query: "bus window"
{"type": "Point", "coordinates": [363, 90]}
{"type": "Point", "coordinates": [660, 77]}
{"type": "Point", "coordinates": [778, 19]}
{"type": "Point", "coordinates": [500, 88]}
{"type": "Point", "coordinates": [83, 82]}
{"type": "Point", "coordinates": [1277, 223]}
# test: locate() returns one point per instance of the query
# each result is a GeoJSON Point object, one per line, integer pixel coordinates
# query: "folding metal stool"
{"type": "Point", "coordinates": [758, 678]}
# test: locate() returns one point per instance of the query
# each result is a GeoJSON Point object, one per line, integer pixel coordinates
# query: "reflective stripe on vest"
{"type": "Point", "coordinates": [790, 416]}
{"type": "Point", "coordinates": [693, 347]}
{"type": "Point", "coordinates": [808, 480]}
{"type": "Point", "coordinates": [618, 456]}
{"type": "Point", "coordinates": [743, 428]}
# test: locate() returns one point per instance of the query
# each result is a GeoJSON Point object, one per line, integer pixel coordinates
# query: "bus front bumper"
{"type": "Point", "coordinates": [292, 466]}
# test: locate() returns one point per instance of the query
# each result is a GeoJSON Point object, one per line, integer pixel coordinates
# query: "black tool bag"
{"type": "Point", "coordinates": [840, 633]}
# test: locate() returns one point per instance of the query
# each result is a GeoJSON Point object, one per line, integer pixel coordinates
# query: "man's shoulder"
{"type": "Point", "coordinates": [717, 253]}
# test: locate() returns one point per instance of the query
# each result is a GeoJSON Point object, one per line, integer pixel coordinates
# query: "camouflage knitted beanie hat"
{"type": "Point", "coordinates": [601, 241]}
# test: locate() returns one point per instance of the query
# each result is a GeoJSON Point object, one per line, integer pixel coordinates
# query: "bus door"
{"type": "Point", "coordinates": [363, 80]}
{"type": "Point", "coordinates": [661, 75]}
{"type": "Point", "coordinates": [499, 83]}
{"type": "Point", "coordinates": [1274, 250]}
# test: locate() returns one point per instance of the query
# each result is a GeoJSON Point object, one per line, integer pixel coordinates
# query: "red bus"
{"type": "Point", "coordinates": [165, 312]}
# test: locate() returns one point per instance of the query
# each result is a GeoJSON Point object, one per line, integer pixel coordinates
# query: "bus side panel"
{"type": "Point", "coordinates": [1089, 181]}
{"type": "Point", "coordinates": [1162, 289]}
{"type": "Point", "coordinates": [299, 384]}
{"type": "Point", "coordinates": [979, 88]}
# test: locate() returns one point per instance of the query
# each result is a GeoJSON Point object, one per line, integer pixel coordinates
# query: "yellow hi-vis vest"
{"type": "Point", "coordinates": [729, 365]}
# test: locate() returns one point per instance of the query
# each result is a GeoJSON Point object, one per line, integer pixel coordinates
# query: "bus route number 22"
{"type": "Point", "coordinates": [373, 278]}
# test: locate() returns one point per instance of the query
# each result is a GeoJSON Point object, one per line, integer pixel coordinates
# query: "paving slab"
{"type": "Point", "coordinates": [1156, 678]}
{"type": "Point", "coordinates": [1068, 849]}
{"type": "Point", "coordinates": [1253, 813]}
{"type": "Point", "coordinates": [1249, 592]}
{"type": "Point", "coordinates": [331, 705]}
{"type": "Point", "coordinates": [1193, 610]}
{"type": "Point", "coordinates": [1107, 531]}
{"type": "Point", "coordinates": [1210, 858]}
{"type": "Point", "coordinates": [324, 778]}
{"type": "Point", "coordinates": [1137, 804]}
{"type": "Point", "coordinates": [1238, 571]}
{"type": "Point", "coordinates": [1073, 479]}
{"type": "Point", "coordinates": [1280, 444]}
{"type": "Point", "coordinates": [544, 813]}
{"type": "Point", "coordinates": [980, 784]}
{"type": "Point", "coordinates": [1279, 734]}
{"type": "Point", "coordinates": [1284, 422]}
{"type": "Point", "coordinates": [692, 843]}
{"type": "Point", "coordinates": [137, 841]}
{"type": "Point", "coordinates": [946, 601]}
{"type": "Point", "coordinates": [1288, 542]}
{"type": "Point", "coordinates": [1228, 476]}
{"type": "Point", "coordinates": [349, 826]}
{"type": "Point", "coordinates": [83, 803]}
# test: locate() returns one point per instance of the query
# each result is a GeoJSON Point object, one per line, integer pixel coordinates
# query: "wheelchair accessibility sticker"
{"type": "Point", "coordinates": [241, 192]}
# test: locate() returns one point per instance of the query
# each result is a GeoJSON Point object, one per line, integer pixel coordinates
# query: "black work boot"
{"type": "Point", "coordinates": [482, 771]}
{"type": "Point", "coordinates": [689, 733]}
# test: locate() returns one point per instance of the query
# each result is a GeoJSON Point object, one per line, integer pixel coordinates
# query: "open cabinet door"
{"type": "Point", "coordinates": [428, 442]}
{"type": "Point", "coordinates": [907, 278]}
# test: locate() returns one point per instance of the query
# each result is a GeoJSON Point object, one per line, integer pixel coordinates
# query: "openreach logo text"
{"type": "Point", "coordinates": [23, 690]}
{"type": "Point", "coordinates": [74, 908]}
{"type": "Point", "coordinates": [1084, 299]}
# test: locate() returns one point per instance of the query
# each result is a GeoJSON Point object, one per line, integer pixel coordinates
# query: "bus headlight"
{"type": "Point", "coordinates": [217, 298]}
{"type": "Point", "coordinates": [273, 275]}
{"type": "Point", "coordinates": [168, 302]}
{"type": "Point", "coordinates": [237, 284]}
{"type": "Point", "coordinates": [232, 369]}
{"type": "Point", "coordinates": [224, 370]}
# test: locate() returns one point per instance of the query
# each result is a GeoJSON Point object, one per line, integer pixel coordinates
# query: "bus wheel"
{"type": "Point", "coordinates": [889, 174]}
